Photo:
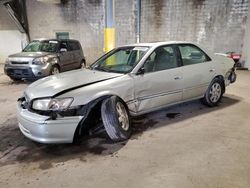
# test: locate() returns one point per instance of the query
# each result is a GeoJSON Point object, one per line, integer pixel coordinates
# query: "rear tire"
{"type": "Point", "coordinates": [116, 119]}
{"type": "Point", "coordinates": [214, 93]}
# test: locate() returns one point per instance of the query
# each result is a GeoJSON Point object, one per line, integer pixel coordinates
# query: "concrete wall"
{"type": "Point", "coordinates": [218, 25]}
{"type": "Point", "coordinates": [246, 45]}
{"type": "Point", "coordinates": [84, 20]}
{"type": "Point", "coordinates": [10, 43]}
{"type": "Point", "coordinates": [10, 37]}
{"type": "Point", "coordinates": [125, 22]}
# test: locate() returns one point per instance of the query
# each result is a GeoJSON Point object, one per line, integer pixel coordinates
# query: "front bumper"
{"type": "Point", "coordinates": [44, 130]}
{"type": "Point", "coordinates": [27, 72]}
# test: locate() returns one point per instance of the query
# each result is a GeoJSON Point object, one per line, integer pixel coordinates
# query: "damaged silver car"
{"type": "Point", "coordinates": [128, 81]}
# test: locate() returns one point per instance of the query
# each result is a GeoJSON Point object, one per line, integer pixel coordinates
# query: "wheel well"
{"type": "Point", "coordinates": [84, 61]}
{"type": "Point", "coordinates": [221, 78]}
{"type": "Point", "coordinates": [57, 65]}
{"type": "Point", "coordinates": [92, 117]}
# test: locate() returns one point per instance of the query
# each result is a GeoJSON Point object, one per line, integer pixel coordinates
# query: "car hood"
{"type": "Point", "coordinates": [30, 54]}
{"type": "Point", "coordinates": [55, 85]}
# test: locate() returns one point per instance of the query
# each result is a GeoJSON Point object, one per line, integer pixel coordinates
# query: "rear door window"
{"type": "Point", "coordinates": [192, 55]}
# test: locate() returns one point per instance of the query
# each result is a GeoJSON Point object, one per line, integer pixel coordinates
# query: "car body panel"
{"type": "Point", "coordinates": [150, 92]}
{"type": "Point", "coordinates": [44, 130]}
{"type": "Point", "coordinates": [196, 78]}
{"type": "Point", "coordinates": [15, 57]}
{"type": "Point", "coordinates": [55, 84]}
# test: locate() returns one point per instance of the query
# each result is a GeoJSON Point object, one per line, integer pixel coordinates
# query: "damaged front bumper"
{"type": "Point", "coordinates": [45, 130]}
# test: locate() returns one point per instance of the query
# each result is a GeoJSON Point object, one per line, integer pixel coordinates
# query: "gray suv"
{"type": "Point", "coordinates": [45, 57]}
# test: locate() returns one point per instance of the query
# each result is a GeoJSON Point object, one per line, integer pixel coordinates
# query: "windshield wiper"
{"type": "Point", "coordinates": [102, 69]}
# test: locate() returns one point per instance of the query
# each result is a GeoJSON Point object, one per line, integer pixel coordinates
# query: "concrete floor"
{"type": "Point", "coordinates": [188, 145]}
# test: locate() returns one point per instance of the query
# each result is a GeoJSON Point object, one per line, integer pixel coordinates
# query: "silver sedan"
{"type": "Point", "coordinates": [128, 81]}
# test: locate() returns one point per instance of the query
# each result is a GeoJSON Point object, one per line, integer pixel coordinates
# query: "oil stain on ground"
{"type": "Point", "coordinates": [173, 115]}
{"type": "Point", "coordinates": [140, 125]}
{"type": "Point", "coordinates": [15, 148]}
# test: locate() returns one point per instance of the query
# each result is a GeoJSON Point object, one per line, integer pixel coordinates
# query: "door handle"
{"type": "Point", "coordinates": [211, 70]}
{"type": "Point", "coordinates": [177, 77]}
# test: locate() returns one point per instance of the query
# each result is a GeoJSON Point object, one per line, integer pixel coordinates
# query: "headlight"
{"type": "Point", "coordinates": [40, 60]}
{"type": "Point", "coordinates": [7, 61]}
{"type": "Point", "coordinates": [52, 104]}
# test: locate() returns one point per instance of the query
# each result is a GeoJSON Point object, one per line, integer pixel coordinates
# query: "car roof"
{"type": "Point", "coordinates": [157, 44]}
{"type": "Point", "coordinates": [53, 39]}
{"type": "Point", "coordinates": [154, 44]}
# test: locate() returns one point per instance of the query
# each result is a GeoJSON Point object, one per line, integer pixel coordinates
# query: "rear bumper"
{"type": "Point", "coordinates": [41, 129]}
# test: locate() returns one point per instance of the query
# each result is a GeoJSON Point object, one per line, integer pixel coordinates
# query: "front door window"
{"type": "Point", "coordinates": [162, 58]}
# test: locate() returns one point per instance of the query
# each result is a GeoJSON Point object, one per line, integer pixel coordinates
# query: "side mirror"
{"type": "Point", "coordinates": [141, 71]}
{"type": "Point", "coordinates": [63, 50]}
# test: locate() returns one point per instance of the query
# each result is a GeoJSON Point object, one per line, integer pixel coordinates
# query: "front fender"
{"type": "Point", "coordinates": [122, 87]}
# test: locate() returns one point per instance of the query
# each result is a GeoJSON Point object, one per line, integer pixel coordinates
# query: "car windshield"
{"type": "Point", "coordinates": [120, 60]}
{"type": "Point", "coordinates": [41, 46]}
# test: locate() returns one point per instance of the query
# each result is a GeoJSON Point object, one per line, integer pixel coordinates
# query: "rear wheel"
{"type": "Point", "coordinates": [116, 120]}
{"type": "Point", "coordinates": [55, 70]}
{"type": "Point", "coordinates": [214, 93]}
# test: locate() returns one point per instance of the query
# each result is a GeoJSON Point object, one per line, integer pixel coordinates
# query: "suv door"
{"type": "Point", "coordinates": [198, 71]}
{"type": "Point", "coordinates": [65, 57]}
{"type": "Point", "coordinates": [76, 53]}
{"type": "Point", "coordinates": [161, 83]}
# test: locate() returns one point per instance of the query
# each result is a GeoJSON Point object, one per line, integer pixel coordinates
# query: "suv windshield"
{"type": "Point", "coordinates": [41, 46]}
{"type": "Point", "coordinates": [120, 60]}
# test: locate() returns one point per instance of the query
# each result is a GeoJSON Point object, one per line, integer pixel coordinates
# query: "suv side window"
{"type": "Point", "coordinates": [64, 45]}
{"type": "Point", "coordinates": [191, 54]}
{"type": "Point", "coordinates": [74, 46]}
{"type": "Point", "coordinates": [162, 58]}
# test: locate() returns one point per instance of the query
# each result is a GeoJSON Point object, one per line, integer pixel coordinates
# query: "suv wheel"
{"type": "Point", "coordinates": [116, 120]}
{"type": "Point", "coordinates": [82, 64]}
{"type": "Point", "coordinates": [55, 70]}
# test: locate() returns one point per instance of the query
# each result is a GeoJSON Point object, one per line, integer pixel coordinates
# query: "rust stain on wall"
{"type": "Point", "coordinates": [198, 3]}
{"type": "Point", "coordinates": [158, 13]}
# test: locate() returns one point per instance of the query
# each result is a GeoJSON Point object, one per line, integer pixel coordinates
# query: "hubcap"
{"type": "Point", "coordinates": [122, 116]}
{"type": "Point", "coordinates": [215, 92]}
{"type": "Point", "coordinates": [83, 65]}
{"type": "Point", "coordinates": [55, 70]}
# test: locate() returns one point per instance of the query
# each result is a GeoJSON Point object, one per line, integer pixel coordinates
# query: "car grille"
{"type": "Point", "coordinates": [20, 72]}
{"type": "Point", "coordinates": [19, 63]}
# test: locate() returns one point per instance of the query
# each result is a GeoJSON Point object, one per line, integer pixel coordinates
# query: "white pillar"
{"type": "Point", "coordinates": [246, 44]}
